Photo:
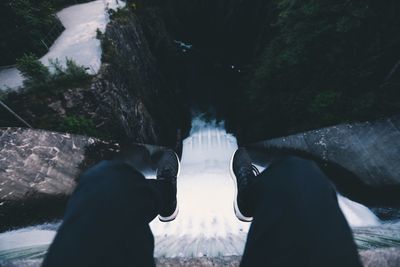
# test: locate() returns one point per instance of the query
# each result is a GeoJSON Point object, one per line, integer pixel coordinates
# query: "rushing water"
{"type": "Point", "coordinates": [206, 224]}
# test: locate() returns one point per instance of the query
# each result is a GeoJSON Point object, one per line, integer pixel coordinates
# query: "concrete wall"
{"type": "Point", "coordinates": [370, 150]}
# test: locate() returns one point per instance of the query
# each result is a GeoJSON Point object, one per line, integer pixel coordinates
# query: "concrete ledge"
{"type": "Point", "coordinates": [369, 150]}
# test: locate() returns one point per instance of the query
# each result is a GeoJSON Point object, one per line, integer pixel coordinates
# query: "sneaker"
{"type": "Point", "coordinates": [168, 171]}
{"type": "Point", "coordinates": [243, 174]}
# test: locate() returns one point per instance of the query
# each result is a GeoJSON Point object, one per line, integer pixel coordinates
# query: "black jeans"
{"type": "Point", "coordinates": [297, 221]}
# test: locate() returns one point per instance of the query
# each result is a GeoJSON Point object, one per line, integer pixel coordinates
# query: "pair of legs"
{"type": "Point", "coordinates": [296, 218]}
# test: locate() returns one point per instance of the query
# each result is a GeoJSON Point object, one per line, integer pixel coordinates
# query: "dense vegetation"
{"type": "Point", "coordinates": [328, 62]}
{"type": "Point", "coordinates": [25, 25]}
{"type": "Point", "coordinates": [41, 79]}
{"type": "Point", "coordinates": [305, 63]}
{"type": "Point", "coordinates": [269, 67]}
{"type": "Point", "coordinates": [45, 89]}
{"type": "Point", "coordinates": [28, 26]}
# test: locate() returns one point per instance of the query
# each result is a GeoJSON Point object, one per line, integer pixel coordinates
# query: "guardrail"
{"type": "Point", "coordinates": [52, 34]}
{"type": "Point", "coordinates": [15, 114]}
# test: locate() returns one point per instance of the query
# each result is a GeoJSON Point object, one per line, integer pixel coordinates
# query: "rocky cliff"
{"type": "Point", "coordinates": [136, 97]}
{"type": "Point", "coordinates": [363, 157]}
{"type": "Point", "coordinates": [133, 88]}
{"type": "Point", "coordinates": [37, 171]}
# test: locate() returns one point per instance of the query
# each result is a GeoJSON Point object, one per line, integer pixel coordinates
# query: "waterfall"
{"type": "Point", "coordinates": [357, 214]}
{"type": "Point", "coordinates": [206, 224]}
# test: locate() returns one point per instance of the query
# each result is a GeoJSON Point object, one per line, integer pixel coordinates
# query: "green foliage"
{"type": "Point", "coordinates": [122, 14]}
{"type": "Point", "coordinates": [133, 6]}
{"type": "Point", "coordinates": [323, 102]}
{"type": "Point", "coordinates": [25, 24]}
{"type": "Point", "coordinates": [323, 106]}
{"type": "Point", "coordinates": [71, 75]}
{"type": "Point", "coordinates": [99, 34]}
{"type": "Point", "coordinates": [33, 70]}
{"type": "Point", "coordinates": [345, 47]}
{"type": "Point", "coordinates": [59, 4]}
{"type": "Point", "coordinates": [3, 94]}
{"type": "Point", "coordinates": [41, 79]}
{"type": "Point", "coordinates": [78, 125]}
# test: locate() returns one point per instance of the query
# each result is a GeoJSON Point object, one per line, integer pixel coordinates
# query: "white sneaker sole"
{"type": "Point", "coordinates": [175, 214]}
{"type": "Point", "coordinates": [238, 214]}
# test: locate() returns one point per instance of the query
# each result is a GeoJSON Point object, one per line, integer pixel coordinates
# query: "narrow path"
{"type": "Point", "coordinates": [77, 42]}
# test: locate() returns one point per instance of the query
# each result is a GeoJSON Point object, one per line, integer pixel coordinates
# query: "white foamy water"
{"type": "Point", "coordinates": [206, 224]}
{"type": "Point", "coordinates": [26, 246]}
{"type": "Point", "coordinates": [25, 238]}
{"type": "Point", "coordinates": [356, 214]}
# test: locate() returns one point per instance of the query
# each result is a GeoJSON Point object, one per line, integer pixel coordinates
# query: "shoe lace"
{"type": "Point", "coordinates": [255, 170]}
{"type": "Point", "coordinates": [246, 172]}
{"type": "Point", "coordinates": [249, 172]}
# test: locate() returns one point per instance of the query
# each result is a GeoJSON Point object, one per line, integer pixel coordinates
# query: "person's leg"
{"type": "Point", "coordinates": [106, 221]}
{"type": "Point", "coordinates": [296, 219]}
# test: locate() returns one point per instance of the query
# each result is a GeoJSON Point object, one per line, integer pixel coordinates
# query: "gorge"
{"type": "Point", "coordinates": [256, 76]}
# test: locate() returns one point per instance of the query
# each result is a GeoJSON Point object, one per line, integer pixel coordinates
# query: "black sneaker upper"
{"type": "Point", "coordinates": [167, 172]}
{"type": "Point", "coordinates": [244, 174]}
{"type": "Point", "coordinates": [243, 168]}
{"type": "Point", "coordinates": [168, 166]}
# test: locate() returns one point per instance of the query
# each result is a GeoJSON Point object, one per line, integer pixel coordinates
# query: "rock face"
{"type": "Point", "coordinates": [39, 161]}
{"type": "Point", "coordinates": [39, 170]}
{"type": "Point", "coordinates": [50, 110]}
{"type": "Point", "coordinates": [36, 167]}
{"type": "Point", "coordinates": [132, 88]}
{"type": "Point", "coordinates": [369, 150]}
